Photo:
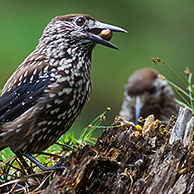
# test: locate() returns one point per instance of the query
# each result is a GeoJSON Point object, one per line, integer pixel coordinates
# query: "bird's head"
{"type": "Point", "coordinates": [79, 29]}
{"type": "Point", "coordinates": [147, 94]}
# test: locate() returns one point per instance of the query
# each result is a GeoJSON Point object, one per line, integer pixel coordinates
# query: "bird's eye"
{"type": "Point", "coordinates": [80, 21]}
{"type": "Point", "coordinates": [152, 90]}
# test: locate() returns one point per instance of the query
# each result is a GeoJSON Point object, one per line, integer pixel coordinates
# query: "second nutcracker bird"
{"type": "Point", "coordinates": [48, 90]}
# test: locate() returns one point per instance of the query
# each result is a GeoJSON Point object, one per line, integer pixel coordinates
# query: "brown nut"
{"type": "Point", "coordinates": [106, 34]}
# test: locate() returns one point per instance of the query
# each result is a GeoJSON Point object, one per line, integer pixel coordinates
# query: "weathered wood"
{"type": "Point", "coordinates": [188, 135]}
{"type": "Point", "coordinates": [126, 159]}
{"type": "Point", "coordinates": [178, 131]}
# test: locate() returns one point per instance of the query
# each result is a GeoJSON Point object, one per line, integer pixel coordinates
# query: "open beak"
{"type": "Point", "coordinates": [97, 28]}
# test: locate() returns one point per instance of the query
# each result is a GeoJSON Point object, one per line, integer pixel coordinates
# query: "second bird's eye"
{"type": "Point", "coordinates": [152, 90]}
{"type": "Point", "coordinates": [80, 21]}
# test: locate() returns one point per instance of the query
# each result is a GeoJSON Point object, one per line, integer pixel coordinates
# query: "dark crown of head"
{"type": "Point", "coordinates": [141, 81]}
{"type": "Point", "coordinates": [73, 28]}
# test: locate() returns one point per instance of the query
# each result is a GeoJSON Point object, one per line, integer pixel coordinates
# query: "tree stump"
{"type": "Point", "coordinates": [129, 159]}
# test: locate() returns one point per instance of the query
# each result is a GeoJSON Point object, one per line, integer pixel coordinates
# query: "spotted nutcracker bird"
{"type": "Point", "coordinates": [47, 92]}
{"type": "Point", "coordinates": [147, 94]}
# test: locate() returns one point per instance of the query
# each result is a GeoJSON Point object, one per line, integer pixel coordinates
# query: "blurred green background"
{"type": "Point", "coordinates": [160, 28]}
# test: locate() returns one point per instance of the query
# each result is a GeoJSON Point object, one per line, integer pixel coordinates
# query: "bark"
{"type": "Point", "coordinates": [129, 159]}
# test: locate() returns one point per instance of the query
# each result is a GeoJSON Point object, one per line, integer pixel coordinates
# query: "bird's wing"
{"type": "Point", "coordinates": [17, 101]}
{"type": "Point", "coordinates": [32, 67]}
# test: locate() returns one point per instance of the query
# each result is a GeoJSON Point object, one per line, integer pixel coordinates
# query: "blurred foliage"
{"type": "Point", "coordinates": [186, 94]}
{"type": "Point", "coordinates": [156, 29]}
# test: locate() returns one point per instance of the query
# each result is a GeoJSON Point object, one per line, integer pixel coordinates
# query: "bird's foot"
{"type": "Point", "coordinates": [57, 166]}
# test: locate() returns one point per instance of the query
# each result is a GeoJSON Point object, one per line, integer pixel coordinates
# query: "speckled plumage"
{"type": "Point", "coordinates": [147, 94]}
{"type": "Point", "coordinates": [48, 90]}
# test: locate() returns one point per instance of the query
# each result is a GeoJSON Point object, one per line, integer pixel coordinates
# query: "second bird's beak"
{"type": "Point", "coordinates": [138, 108]}
{"type": "Point", "coordinates": [97, 28]}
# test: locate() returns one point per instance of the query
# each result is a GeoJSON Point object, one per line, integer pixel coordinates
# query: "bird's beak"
{"type": "Point", "coordinates": [95, 29]}
{"type": "Point", "coordinates": [138, 108]}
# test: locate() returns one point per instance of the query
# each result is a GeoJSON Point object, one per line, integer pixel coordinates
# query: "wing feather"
{"type": "Point", "coordinates": [23, 97]}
